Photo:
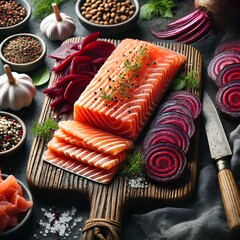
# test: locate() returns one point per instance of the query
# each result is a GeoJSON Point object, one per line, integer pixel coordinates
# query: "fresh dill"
{"type": "Point", "coordinates": [185, 80]}
{"type": "Point", "coordinates": [43, 8]}
{"type": "Point", "coordinates": [134, 163]}
{"type": "Point", "coordinates": [45, 129]}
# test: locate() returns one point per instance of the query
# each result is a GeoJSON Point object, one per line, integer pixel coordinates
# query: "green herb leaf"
{"type": "Point", "coordinates": [154, 8]}
{"type": "Point", "coordinates": [185, 79]}
{"type": "Point", "coordinates": [41, 76]}
{"type": "Point", "coordinates": [43, 8]}
{"type": "Point", "coordinates": [45, 129]}
{"type": "Point", "coordinates": [134, 163]}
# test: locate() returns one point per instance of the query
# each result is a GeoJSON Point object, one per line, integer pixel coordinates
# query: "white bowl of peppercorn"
{"type": "Point", "coordinates": [14, 17]}
{"type": "Point", "coordinates": [13, 134]}
{"type": "Point", "coordinates": [111, 18]}
{"type": "Point", "coordinates": [23, 52]}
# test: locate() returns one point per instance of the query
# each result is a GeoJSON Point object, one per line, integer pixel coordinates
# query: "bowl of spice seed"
{"type": "Point", "coordinates": [110, 17]}
{"type": "Point", "coordinates": [12, 134]}
{"type": "Point", "coordinates": [23, 52]}
{"type": "Point", "coordinates": [14, 16]}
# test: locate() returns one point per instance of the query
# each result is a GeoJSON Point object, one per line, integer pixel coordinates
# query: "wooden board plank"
{"type": "Point", "coordinates": [45, 176]}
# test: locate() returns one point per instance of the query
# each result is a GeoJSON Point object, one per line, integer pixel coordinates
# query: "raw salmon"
{"type": "Point", "coordinates": [95, 174]}
{"type": "Point", "coordinates": [86, 136]}
{"type": "Point", "coordinates": [84, 155]}
{"type": "Point", "coordinates": [124, 93]}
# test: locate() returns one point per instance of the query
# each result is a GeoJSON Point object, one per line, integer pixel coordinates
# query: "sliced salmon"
{"type": "Point", "coordinates": [84, 155]}
{"type": "Point", "coordinates": [92, 173]}
{"type": "Point", "coordinates": [86, 136]}
{"type": "Point", "coordinates": [124, 93]}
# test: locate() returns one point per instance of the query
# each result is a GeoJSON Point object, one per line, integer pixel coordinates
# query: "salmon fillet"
{"type": "Point", "coordinates": [124, 93]}
{"type": "Point", "coordinates": [92, 173]}
{"type": "Point", "coordinates": [84, 155]}
{"type": "Point", "coordinates": [86, 136]}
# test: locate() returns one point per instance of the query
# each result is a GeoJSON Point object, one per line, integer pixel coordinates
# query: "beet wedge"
{"type": "Point", "coordinates": [164, 162]}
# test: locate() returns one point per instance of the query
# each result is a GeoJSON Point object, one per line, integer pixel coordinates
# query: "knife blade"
{"type": "Point", "coordinates": [220, 152]}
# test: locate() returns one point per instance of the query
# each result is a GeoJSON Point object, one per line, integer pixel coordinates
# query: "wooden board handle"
{"type": "Point", "coordinates": [105, 212]}
{"type": "Point", "coordinates": [231, 199]}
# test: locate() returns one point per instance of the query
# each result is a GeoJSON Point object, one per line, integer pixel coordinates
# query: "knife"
{"type": "Point", "coordinates": [220, 152]}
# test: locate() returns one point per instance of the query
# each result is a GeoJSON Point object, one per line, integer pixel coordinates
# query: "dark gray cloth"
{"type": "Point", "coordinates": [202, 219]}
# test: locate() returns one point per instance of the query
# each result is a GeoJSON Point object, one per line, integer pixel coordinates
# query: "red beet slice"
{"type": "Point", "coordinates": [228, 99]}
{"type": "Point", "coordinates": [90, 38]}
{"type": "Point", "coordinates": [229, 73]}
{"type": "Point", "coordinates": [228, 46]}
{"type": "Point", "coordinates": [167, 133]}
{"type": "Point", "coordinates": [183, 121]}
{"type": "Point", "coordinates": [190, 100]}
{"type": "Point", "coordinates": [175, 105]}
{"type": "Point", "coordinates": [220, 61]}
{"type": "Point", "coordinates": [164, 162]}
{"type": "Point", "coordinates": [74, 90]}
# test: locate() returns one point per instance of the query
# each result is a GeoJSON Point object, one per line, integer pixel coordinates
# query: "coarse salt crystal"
{"type": "Point", "coordinates": [138, 182]}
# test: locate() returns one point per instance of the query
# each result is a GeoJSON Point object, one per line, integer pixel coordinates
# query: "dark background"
{"type": "Point", "coordinates": [53, 202]}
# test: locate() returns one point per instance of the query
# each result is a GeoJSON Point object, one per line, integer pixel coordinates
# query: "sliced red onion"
{"type": "Point", "coordinates": [220, 61]}
{"type": "Point", "coordinates": [229, 73]}
{"type": "Point", "coordinates": [228, 99]}
{"type": "Point", "coordinates": [191, 28]}
{"type": "Point", "coordinates": [164, 162]}
{"type": "Point", "coordinates": [190, 100]}
{"type": "Point", "coordinates": [167, 133]}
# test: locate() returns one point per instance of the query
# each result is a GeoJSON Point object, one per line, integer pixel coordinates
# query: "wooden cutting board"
{"type": "Point", "coordinates": [108, 201]}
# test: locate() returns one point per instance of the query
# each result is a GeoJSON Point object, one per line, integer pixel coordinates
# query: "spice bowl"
{"type": "Point", "coordinates": [23, 52]}
{"type": "Point", "coordinates": [23, 217]}
{"type": "Point", "coordinates": [13, 135]}
{"type": "Point", "coordinates": [16, 20]}
{"type": "Point", "coordinates": [110, 19]}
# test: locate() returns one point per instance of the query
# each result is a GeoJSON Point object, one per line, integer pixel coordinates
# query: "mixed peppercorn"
{"type": "Point", "coordinates": [11, 13]}
{"type": "Point", "coordinates": [22, 49]}
{"type": "Point", "coordinates": [10, 133]}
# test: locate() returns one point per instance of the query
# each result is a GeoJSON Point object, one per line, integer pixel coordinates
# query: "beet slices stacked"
{"type": "Point", "coordinates": [224, 70]}
{"type": "Point", "coordinates": [168, 140]}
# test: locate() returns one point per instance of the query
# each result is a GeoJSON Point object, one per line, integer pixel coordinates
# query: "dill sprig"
{"type": "Point", "coordinates": [45, 129]}
{"type": "Point", "coordinates": [185, 80]}
{"type": "Point", "coordinates": [43, 8]}
{"type": "Point", "coordinates": [134, 163]}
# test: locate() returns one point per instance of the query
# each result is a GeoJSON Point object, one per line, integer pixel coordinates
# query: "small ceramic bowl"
{"type": "Point", "coordinates": [7, 31]}
{"type": "Point", "coordinates": [16, 148]}
{"type": "Point", "coordinates": [110, 30]}
{"type": "Point", "coordinates": [12, 233]}
{"type": "Point", "coordinates": [27, 66]}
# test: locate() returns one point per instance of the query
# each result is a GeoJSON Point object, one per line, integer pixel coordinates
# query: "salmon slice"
{"type": "Point", "coordinates": [86, 156]}
{"type": "Point", "coordinates": [124, 93]}
{"type": "Point", "coordinates": [92, 173]}
{"type": "Point", "coordinates": [86, 136]}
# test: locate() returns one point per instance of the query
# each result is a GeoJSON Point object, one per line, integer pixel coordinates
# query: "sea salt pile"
{"type": "Point", "coordinates": [138, 182]}
{"type": "Point", "coordinates": [59, 224]}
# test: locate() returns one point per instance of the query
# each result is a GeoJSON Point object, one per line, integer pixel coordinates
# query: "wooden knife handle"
{"type": "Point", "coordinates": [231, 198]}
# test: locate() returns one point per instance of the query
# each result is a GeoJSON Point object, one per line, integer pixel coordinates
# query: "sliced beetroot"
{"type": "Point", "coordinates": [74, 90]}
{"type": "Point", "coordinates": [220, 61]}
{"type": "Point", "coordinates": [81, 65]}
{"type": "Point", "coordinates": [98, 49]}
{"type": "Point", "coordinates": [228, 99]}
{"type": "Point", "coordinates": [229, 73]}
{"type": "Point", "coordinates": [90, 38]}
{"type": "Point", "coordinates": [164, 162]}
{"type": "Point", "coordinates": [183, 121]}
{"type": "Point", "coordinates": [65, 50]}
{"type": "Point", "coordinates": [165, 133]}
{"type": "Point", "coordinates": [190, 100]}
{"type": "Point", "coordinates": [175, 105]}
{"type": "Point", "coordinates": [228, 46]}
